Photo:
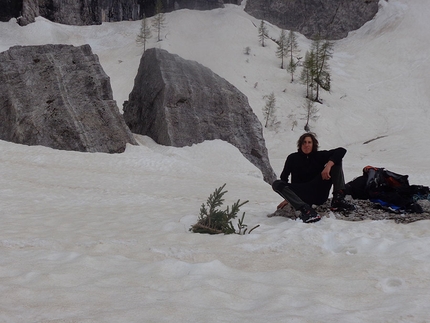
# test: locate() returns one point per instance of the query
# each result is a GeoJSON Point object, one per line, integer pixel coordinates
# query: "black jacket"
{"type": "Point", "coordinates": [304, 168]}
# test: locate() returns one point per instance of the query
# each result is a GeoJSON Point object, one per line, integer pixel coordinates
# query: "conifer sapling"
{"type": "Point", "coordinates": [213, 220]}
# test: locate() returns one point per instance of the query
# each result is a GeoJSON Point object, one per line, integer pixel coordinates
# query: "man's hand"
{"type": "Point", "coordinates": [282, 205]}
{"type": "Point", "coordinates": [325, 174]}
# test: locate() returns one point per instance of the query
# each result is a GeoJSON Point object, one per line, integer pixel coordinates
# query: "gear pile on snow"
{"type": "Point", "coordinates": [389, 190]}
{"type": "Point", "coordinates": [365, 210]}
{"type": "Point", "coordinates": [379, 194]}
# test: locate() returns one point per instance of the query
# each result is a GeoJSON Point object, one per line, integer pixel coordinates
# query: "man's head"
{"type": "Point", "coordinates": [307, 143]}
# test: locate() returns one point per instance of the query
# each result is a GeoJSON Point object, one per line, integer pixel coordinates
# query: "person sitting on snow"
{"type": "Point", "coordinates": [313, 172]}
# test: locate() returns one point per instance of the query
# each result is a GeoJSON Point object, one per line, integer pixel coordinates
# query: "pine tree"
{"type": "Point", "coordinates": [292, 51]}
{"type": "Point", "coordinates": [282, 47]}
{"type": "Point", "coordinates": [262, 33]}
{"type": "Point", "coordinates": [321, 71]}
{"type": "Point", "coordinates": [307, 74]}
{"type": "Point", "coordinates": [159, 19]}
{"type": "Point", "coordinates": [213, 220]}
{"type": "Point", "coordinates": [311, 113]}
{"type": "Point", "coordinates": [269, 110]}
{"type": "Point", "coordinates": [144, 34]}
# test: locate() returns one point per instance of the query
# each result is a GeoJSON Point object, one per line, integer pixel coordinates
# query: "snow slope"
{"type": "Point", "coordinates": [104, 238]}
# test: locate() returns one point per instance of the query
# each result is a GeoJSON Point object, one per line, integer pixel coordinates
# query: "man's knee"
{"type": "Point", "coordinates": [336, 168]}
{"type": "Point", "coordinates": [278, 185]}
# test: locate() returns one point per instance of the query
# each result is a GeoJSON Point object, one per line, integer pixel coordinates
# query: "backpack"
{"type": "Point", "coordinates": [380, 178]}
{"type": "Point", "coordinates": [386, 188]}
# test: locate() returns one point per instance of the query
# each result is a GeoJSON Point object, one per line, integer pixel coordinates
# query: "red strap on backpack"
{"type": "Point", "coordinates": [367, 168]}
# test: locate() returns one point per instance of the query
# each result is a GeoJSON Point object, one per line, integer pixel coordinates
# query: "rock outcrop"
{"type": "Point", "coordinates": [30, 10]}
{"type": "Point", "coordinates": [178, 103]}
{"type": "Point", "coordinates": [329, 19]}
{"type": "Point", "coordinates": [84, 12]}
{"type": "Point", "coordinates": [10, 9]}
{"type": "Point", "coordinates": [59, 96]}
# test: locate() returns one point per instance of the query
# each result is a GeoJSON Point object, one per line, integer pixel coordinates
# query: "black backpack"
{"type": "Point", "coordinates": [380, 184]}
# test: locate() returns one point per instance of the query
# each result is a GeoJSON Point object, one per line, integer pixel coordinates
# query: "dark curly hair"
{"type": "Point", "coordinates": [313, 136]}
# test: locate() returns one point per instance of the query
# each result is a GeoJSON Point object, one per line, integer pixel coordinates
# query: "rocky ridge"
{"type": "Point", "coordinates": [330, 19]}
{"type": "Point", "coordinates": [327, 19]}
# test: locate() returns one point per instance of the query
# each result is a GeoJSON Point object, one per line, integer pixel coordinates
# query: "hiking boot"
{"type": "Point", "coordinates": [338, 202]}
{"type": "Point", "coordinates": [308, 214]}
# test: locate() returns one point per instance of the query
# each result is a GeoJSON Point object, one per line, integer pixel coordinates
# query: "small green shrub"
{"type": "Point", "coordinates": [213, 220]}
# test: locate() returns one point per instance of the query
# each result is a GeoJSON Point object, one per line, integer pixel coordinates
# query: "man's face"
{"type": "Point", "coordinates": [307, 145]}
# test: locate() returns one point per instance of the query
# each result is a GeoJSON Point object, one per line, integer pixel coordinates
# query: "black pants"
{"type": "Point", "coordinates": [314, 192]}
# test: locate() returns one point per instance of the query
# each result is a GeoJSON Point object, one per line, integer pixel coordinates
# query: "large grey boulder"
{"type": "Point", "coordinates": [59, 96]}
{"type": "Point", "coordinates": [178, 103]}
{"type": "Point", "coordinates": [329, 19]}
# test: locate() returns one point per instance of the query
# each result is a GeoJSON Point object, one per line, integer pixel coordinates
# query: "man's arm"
{"type": "Point", "coordinates": [325, 174]}
{"type": "Point", "coordinates": [287, 169]}
{"type": "Point", "coordinates": [334, 157]}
